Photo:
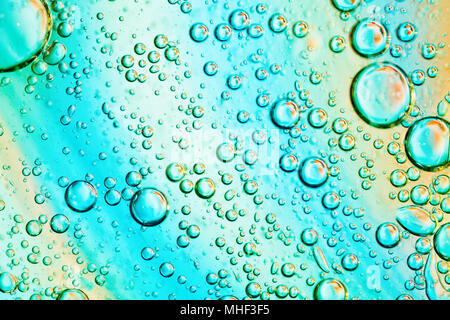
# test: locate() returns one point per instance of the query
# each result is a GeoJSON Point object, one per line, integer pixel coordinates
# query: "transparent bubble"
{"type": "Point", "coordinates": [441, 184]}
{"type": "Point", "coordinates": [337, 44]}
{"type": "Point", "coordinates": [25, 29]}
{"type": "Point", "coordinates": [350, 262]}
{"type": "Point", "coordinates": [330, 289]}
{"type": "Point", "coordinates": [420, 194]}
{"type": "Point", "coordinates": [347, 142]}
{"type": "Point", "coordinates": [278, 23]}
{"type": "Point", "coordinates": [370, 38]}
{"type": "Point", "coordinates": [226, 152]}
{"type": "Point", "coordinates": [416, 220]}
{"type": "Point", "coordinates": [398, 178]}
{"type": "Point", "coordinates": [59, 223]}
{"type": "Point", "coordinates": [133, 178]}
{"type": "Point", "coordinates": [381, 94]}
{"type": "Point", "coordinates": [33, 228]}
{"type": "Point", "coordinates": [309, 237]}
{"type": "Point", "coordinates": [423, 245]}
{"type": "Point", "coordinates": [149, 207]}
{"type": "Point", "coordinates": [255, 31]}
{"type": "Point", "coordinates": [147, 253]}
{"type": "Point", "coordinates": [205, 188]}
{"type": "Point", "coordinates": [199, 32]}
{"type": "Point", "coordinates": [166, 270]}
{"type": "Point", "coordinates": [346, 5]}
{"type": "Point", "coordinates": [239, 19]}
{"type": "Point", "coordinates": [72, 294]}
{"type": "Point", "coordinates": [253, 290]}
{"type": "Point", "coordinates": [300, 29]}
{"type": "Point", "coordinates": [388, 235]}
{"type": "Point", "coordinates": [54, 53]}
{"type": "Point", "coordinates": [288, 162]}
{"type": "Point", "coordinates": [223, 32]}
{"type": "Point", "coordinates": [113, 197]}
{"type": "Point", "coordinates": [175, 172]}
{"type": "Point", "coordinates": [442, 242]}
{"type": "Point", "coordinates": [81, 196]}
{"type": "Point", "coordinates": [313, 172]}
{"type": "Point", "coordinates": [331, 200]}
{"type": "Point", "coordinates": [406, 32]}
{"type": "Point", "coordinates": [285, 114]}
{"type": "Point", "coordinates": [427, 143]}
{"type": "Point", "coordinates": [317, 118]}
{"type": "Point", "coordinates": [415, 261]}
{"type": "Point", "coordinates": [8, 282]}
{"type": "Point", "coordinates": [210, 68]}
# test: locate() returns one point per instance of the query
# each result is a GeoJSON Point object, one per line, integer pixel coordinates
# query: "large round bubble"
{"type": "Point", "coordinates": [382, 94]}
{"type": "Point", "coordinates": [149, 207]}
{"type": "Point", "coordinates": [25, 28]}
{"type": "Point", "coordinates": [427, 143]}
{"type": "Point", "coordinates": [81, 196]}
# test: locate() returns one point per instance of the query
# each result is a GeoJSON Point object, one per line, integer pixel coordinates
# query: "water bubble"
{"type": "Point", "coordinates": [25, 29]}
{"type": "Point", "coordinates": [226, 152]}
{"type": "Point", "coordinates": [277, 23]}
{"type": "Point", "coordinates": [33, 228]}
{"type": "Point", "coordinates": [205, 188]}
{"type": "Point", "coordinates": [406, 32]}
{"type": "Point", "coordinates": [285, 114]}
{"type": "Point", "coordinates": [420, 194]}
{"type": "Point", "coordinates": [210, 68]}
{"type": "Point", "coordinates": [350, 262]}
{"type": "Point", "coordinates": [239, 19]}
{"type": "Point", "coordinates": [418, 77]}
{"type": "Point", "coordinates": [223, 32]}
{"type": "Point", "coordinates": [347, 142]}
{"type": "Point", "coordinates": [423, 245]}
{"type": "Point", "coordinates": [113, 197]}
{"type": "Point", "coordinates": [370, 38]}
{"type": "Point", "coordinates": [416, 220]}
{"type": "Point", "coordinates": [309, 237]}
{"type": "Point", "coordinates": [288, 162]}
{"type": "Point", "coordinates": [388, 235]}
{"type": "Point", "coordinates": [330, 289]}
{"type": "Point", "coordinates": [317, 118]}
{"type": "Point", "coordinates": [72, 294]}
{"type": "Point", "coordinates": [149, 207]}
{"type": "Point", "coordinates": [147, 253]}
{"type": "Point", "coordinates": [54, 53]}
{"type": "Point", "coordinates": [81, 196]}
{"type": "Point", "coordinates": [331, 200]}
{"type": "Point", "coordinates": [415, 261]}
{"type": "Point", "coordinates": [8, 282]}
{"type": "Point", "coordinates": [441, 184]}
{"type": "Point", "coordinates": [175, 172]}
{"type": "Point", "coordinates": [161, 41]}
{"type": "Point", "coordinates": [255, 31]}
{"type": "Point", "coordinates": [133, 178]}
{"type": "Point", "coordinates": [313, 172]}
{"type": "Point", "coordinates": [253, 290]}
{"type": "Point", "coordinates": [381, 94]}
{"type": "Point", "coordinates": [346, 5]}
{"type": "Point", "coordinates": [65, 29]}
{"type": "Point", "coordinates": [59, 223]}
{"type": "Point", "coordinates": [166, 270]}
{"type": "Point", "coordinates": [337, 44]}
{"type": "Point", "coordinates": [199, 32]}
{"type": "Point", "coordinates": [300, 29]}
{"type": "Point", "coordinates": [442, 242]}
{"type": "Point", "coordinates": [427, 143]}
{"type": "Point", "coordinates": [398, 178]}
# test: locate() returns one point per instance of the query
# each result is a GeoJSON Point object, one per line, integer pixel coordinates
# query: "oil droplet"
{"type": "Point", "coordinates": [370, 38]}
{"type": "Point", "coordinates": [388, 235]}
{"type": "Point", "coordinates": [442, 242]}
{"type": "Point", "coordinates": [313, 172]}
{"type": "Point", "coordinates": [427, 143]}
{"type": "Point", "coordinates": [330, 289]}
{"type": "Point", "coordinates": [381, 94]}
{"type": "Point", "coordinates": [72, 294]}
{"type": "Point", "coordinates": [416, 220]}
{"type": "Point", "coordinates": [285, 114]}
{"type": "Point", "coordinates": [81, 196]}
{"type": "Point", "coordinates": [149, 207]}
{"type": "Point", "coordinates": [25, 28]}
